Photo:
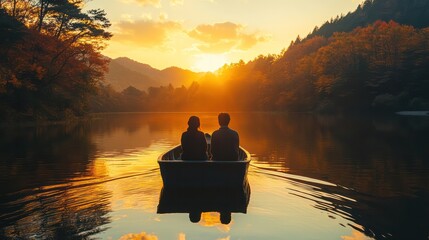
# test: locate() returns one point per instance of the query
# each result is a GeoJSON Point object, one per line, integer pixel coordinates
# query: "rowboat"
{"type": "Point", "coordinates": [205, 173]}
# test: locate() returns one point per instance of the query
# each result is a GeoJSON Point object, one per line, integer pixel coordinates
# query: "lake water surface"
{"type": "Point", "coordinates": [311, 177]}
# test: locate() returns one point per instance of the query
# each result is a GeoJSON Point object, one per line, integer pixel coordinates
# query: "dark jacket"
{"type": "Point", "coordinates": [225, 144]}
{"type": "Point", "coordinates": [194, 145]}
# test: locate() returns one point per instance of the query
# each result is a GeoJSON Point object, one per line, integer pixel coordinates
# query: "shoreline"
{"type": "Point", "coordinates": [90, 116]}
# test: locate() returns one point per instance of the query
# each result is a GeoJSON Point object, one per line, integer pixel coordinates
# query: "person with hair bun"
{"type": "Point", "coordinates": [194, 145]}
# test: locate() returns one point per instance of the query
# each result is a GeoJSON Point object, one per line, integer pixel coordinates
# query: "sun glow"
{"type": "Point", "coordinates": [209, 62]}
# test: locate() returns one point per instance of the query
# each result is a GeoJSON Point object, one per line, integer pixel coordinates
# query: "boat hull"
{"type": "Point", "coordinates": [179, 173]}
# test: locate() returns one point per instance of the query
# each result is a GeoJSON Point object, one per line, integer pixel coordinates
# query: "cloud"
{"type": "Point", "coordinates": [248, 41]}
{"type": "Point", "coordinates": [163, 16]}
{"type": "Point", "coordinates": [146, 32]}
{"type": "Point", "coordinates": [223, 37]}
{"type": "Point", "coordinates": [156, 3]}
{"type": "Point", "coordinates": [176, 2]}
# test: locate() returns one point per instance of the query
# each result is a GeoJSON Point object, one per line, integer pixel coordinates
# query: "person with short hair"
{"type": "Point", "coordinates": [225, 141]}
{"type": "Point", "coordinates": [194, 145]}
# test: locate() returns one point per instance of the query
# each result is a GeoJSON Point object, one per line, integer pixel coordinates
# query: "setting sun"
{"type": "Point", "coordinates": [209, 62]}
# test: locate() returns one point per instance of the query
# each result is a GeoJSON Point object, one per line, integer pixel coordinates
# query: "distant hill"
{"type": "Point", "coordinates": [124, 72]}
{"type": "Point", "coordinates": [407, 12]}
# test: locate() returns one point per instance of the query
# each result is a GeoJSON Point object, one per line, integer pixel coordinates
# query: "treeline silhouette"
{"type": "Point", "coordinates": [50, 58]}
{"type": "Point", "coordinates": [381, 67]}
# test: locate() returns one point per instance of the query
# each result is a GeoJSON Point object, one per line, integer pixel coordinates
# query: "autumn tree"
{"type": "Point", "coordinates": [53, 69]}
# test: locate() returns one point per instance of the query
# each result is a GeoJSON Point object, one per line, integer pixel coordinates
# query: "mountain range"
{"type": "Point", "coordinates": [124, 72]}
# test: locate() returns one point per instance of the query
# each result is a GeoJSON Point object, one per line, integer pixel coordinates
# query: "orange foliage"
{"type": "Point", "coordinates": [52, 64]}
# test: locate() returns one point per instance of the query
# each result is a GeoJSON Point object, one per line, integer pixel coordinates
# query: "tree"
{"type": "Point", "coordinates": [58, 64]}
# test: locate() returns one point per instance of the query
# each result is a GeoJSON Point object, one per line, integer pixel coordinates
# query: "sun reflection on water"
{"type": "Point", "coordinates": [137, 171]}
{"type": "Point", "coordinates": [356, 235]}
{"type": "Point", "coordinates": [139, 236]}
{"type": "Point", "coordinates": [212, 219]}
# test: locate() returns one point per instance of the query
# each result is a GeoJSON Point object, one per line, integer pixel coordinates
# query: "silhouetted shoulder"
{"type": "Point", "coordinates": [215, 133]}
{"type": "Point", "coordinates": [225, 144]}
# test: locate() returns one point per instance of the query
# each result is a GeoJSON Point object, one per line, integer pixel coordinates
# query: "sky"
{"type": "Point", "coordinates": [203, 35]}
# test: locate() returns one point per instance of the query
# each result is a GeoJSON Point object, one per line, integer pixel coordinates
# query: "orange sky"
{"type": "Point", "coordinates": [202, 35]}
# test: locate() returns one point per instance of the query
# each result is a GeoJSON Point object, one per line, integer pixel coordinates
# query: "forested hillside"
{"type": "Point", "coordinates": [50, 58]}
{"type": "Point", "coordinates": [406, 12]}
{"type": "Point", "coordinates": [384, 66]}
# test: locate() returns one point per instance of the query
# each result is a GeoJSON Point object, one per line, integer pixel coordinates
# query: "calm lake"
{"type": "Point", "coordinates": [311, 177]}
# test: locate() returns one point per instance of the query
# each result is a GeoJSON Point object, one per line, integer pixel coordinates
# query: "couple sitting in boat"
{"type": "Point", "coordinates": [224, 141]}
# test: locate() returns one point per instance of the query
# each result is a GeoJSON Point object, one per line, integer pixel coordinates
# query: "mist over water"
{"type": "Point", "coordinates": [311, 177]}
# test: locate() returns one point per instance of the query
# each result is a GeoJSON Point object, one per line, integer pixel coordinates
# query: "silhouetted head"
{"type": "Point", "coordinates": [225, 217]}
{"type": "Point", "coordinates": [195, 217]}
{"type": "Point", "coordinates": [194, 122]}
{"type": "Point", "coordinates": [223, 119]}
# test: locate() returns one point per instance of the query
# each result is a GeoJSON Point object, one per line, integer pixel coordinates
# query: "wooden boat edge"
{"type": "Point", "coordinates": [246, 160]}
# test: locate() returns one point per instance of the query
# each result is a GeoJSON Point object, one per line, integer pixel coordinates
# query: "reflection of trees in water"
{"type": "Point", "coordinates": [133, 122]}
{"type": "Point", "coordinates": [352, 152]}
{"type": "Point", "coordinates": [381, 162]}
{"type": "Point", "coordinates": [137, 130]}
{"type": "Point", "coordinates": [156, 123]}
{"type": "Point", "coordinates": [30, 157]}
{"type": "Point", "coordinates": [57, 214]}
{"type": "Point", "coordinates": [49, 194]}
